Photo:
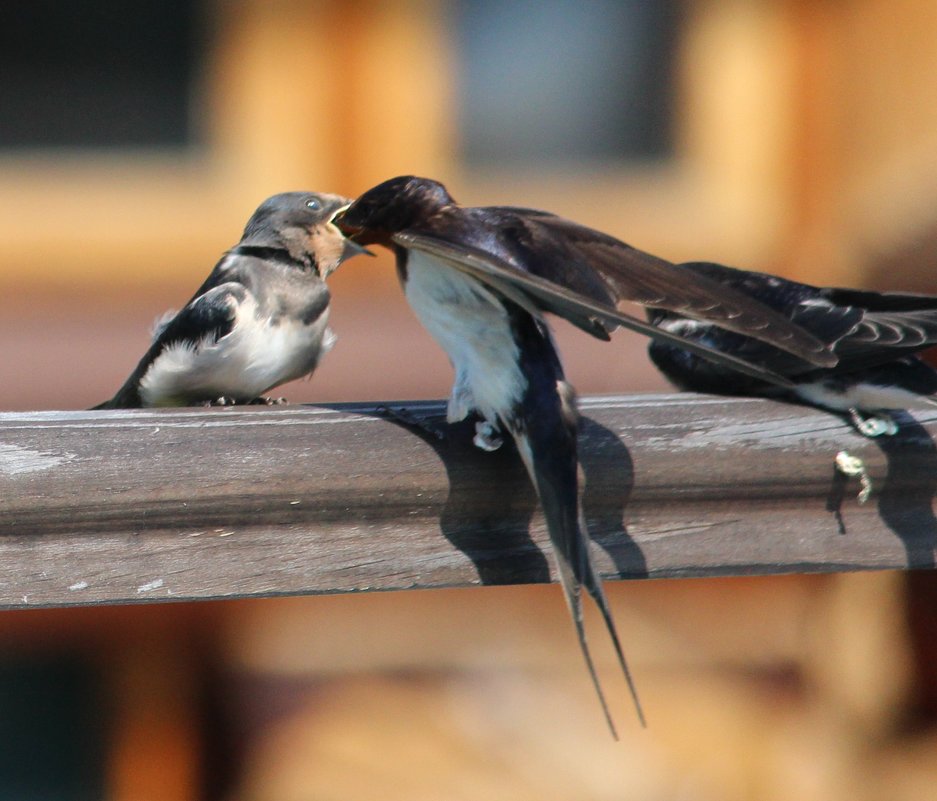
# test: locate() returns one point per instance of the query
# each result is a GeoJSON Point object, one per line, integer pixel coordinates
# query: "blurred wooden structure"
{"type": "Point", "coordinates": [804, 142]}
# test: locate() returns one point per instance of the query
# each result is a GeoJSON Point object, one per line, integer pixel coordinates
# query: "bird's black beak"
{"type": "Point", "coordinates": [340, 221]}
{"type": "Point", "coordinates": [351, 247]}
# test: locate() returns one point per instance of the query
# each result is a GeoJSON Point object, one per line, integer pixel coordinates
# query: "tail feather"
{"type": "Point", "coordinates": [127, 397]}
{"type": "Point", "coordinates": [572, 591]}
{"type": "Point", "coordinates": [593, 583]}
{"type": "Point", "coordinates": [557, 487]}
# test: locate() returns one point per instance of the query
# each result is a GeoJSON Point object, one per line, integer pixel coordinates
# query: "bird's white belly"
{"type": "Point", "coordinates": [865, 396]}
{"type": "Point", "coordinates": [255, 357]}
{"type": "Point", "coordinates": [472, 326]}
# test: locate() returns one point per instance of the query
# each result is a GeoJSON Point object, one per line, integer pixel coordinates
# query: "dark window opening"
{"type": "Point", "coordinates": [101, 73]}
{"type": "Point", "coordinates": [565, 81]}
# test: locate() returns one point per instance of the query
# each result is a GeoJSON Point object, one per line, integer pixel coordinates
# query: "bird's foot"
{"type": "Point", "coordinates": [873, 425]}
{"type": "Point", "coordinates": [405, 417]}
{"type": "Point", "coordinates": [222, 400]}
{"type": "Point", "coordinates": [262, 401]}
{"type": "Point", "coordinates": [853, 467]}
{"type": "Point", "coordinates": [487, 436]}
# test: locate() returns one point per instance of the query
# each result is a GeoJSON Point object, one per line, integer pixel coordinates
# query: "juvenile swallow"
{"type": "Point", "coordinates": [876, 335]}
{"type": "Point", "coordinates": [259, 320]}
{"type": "Point", "coordinates": [480, 280]}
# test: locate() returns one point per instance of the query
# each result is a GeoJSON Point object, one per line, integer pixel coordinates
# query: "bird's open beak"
{"type": "Point", "coordinates": [351, 247]}
{"type": "Point", "coordinates": [338, 220]}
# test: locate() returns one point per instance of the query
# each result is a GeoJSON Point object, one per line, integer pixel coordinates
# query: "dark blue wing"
{"type": "Point", "coordinates": [865, 329]}
{"type": "Point", "coordinates": [206, 319]}
{"type": "Point", "coordinates": [606, 271]}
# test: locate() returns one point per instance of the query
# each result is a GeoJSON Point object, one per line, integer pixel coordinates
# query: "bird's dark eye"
{"type": "Point", "coordinates": [314, 204]}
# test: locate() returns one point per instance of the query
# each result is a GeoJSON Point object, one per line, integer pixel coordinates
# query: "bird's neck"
{"type": "Point", "coordinates": [275, 253]}
{"type": "Point", "coordinates": [401, 255]}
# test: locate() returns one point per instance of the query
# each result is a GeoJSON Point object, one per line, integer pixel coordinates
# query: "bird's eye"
{"type": "Point", "coordinates": [314, 204]}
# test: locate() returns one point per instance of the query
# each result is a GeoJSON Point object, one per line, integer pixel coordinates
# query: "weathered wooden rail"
{"type": "Point", "coordinates": [114, 507]}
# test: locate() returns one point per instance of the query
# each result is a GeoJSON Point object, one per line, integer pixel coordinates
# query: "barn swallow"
{"type": "Point", "coordinates": [876, 335]}
{"type": "Point", "coordinates": [259, 320]}
{"type": "Point", "coordinates": [479, 280]}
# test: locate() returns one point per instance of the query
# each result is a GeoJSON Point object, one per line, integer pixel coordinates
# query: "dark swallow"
{"type": "Point", "coordinates": [259, 320]}
{"type": "Point", "coordinates": [877, 337]}
{"type": "Point", "coordinates": [480, 279]}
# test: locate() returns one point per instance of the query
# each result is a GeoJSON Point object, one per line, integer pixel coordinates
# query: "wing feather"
{"type": "Point", "coordinates": [539, 295]}
{"type": "Point", "coordinates": [208, 317]}
{"type": "Point", "coordinates": [577, 257]}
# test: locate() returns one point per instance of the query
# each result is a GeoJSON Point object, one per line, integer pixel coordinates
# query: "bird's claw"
{"type": "Point", "coordinates": [487, 436]}
{"type": "Point", "coordinates": [222, 400]}
{"type": "Point", "coordinates": [875, 425]}
{"type": "Point", "coordinates": [853, 466]}
{"type": "Point", "coordinates": [262, 401]}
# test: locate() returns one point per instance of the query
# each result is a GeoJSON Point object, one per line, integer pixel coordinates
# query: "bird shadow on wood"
{"type": "Point", "coordinates": [490, 504]}
{"type": "Point", "coordinates": [905, 503]}
{"type": "Point", "coordinates": [609, 480]}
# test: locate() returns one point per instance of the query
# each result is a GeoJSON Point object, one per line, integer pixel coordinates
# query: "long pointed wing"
{"type": "Point", "coordinates": [578, 257]}
{"type": "Point", "coordinates": [865, 328]}
{"type": "Point", "coordinates": [538, 294]}
{"type": "Point", "coordinates": [891, 319]}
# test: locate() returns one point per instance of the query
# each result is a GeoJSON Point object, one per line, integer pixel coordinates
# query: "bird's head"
{"type": "Point", "coordinates": [391, 207]}
{"type": "Point", "coordinates": [301, 223]}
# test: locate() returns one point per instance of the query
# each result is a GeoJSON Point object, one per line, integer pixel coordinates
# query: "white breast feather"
{"type": "Point", "coordinates": [865, 396]}
{"type": "Point", "coordinates": [472, 326]}
{"type": "Point", "coordinates": [255, 357]}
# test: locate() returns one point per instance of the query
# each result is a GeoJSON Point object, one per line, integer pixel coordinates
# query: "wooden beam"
{"type": "Point", "coordinates": [129, 506]}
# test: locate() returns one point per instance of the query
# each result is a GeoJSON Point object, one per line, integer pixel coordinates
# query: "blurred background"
{"type": "Point", "coordinates": [793, 136]}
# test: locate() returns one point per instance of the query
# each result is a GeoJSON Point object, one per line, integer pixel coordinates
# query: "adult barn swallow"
{"type": "Point", "coordinates": [876, 336]}
{"type": "Point", "coordinates": [479, 280]}
{"type": "Point", "coordinates": [259, 320]}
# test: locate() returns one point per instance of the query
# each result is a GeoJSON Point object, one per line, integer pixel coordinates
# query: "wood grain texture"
{"type": "Point", "coordinates": [128, 506]}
